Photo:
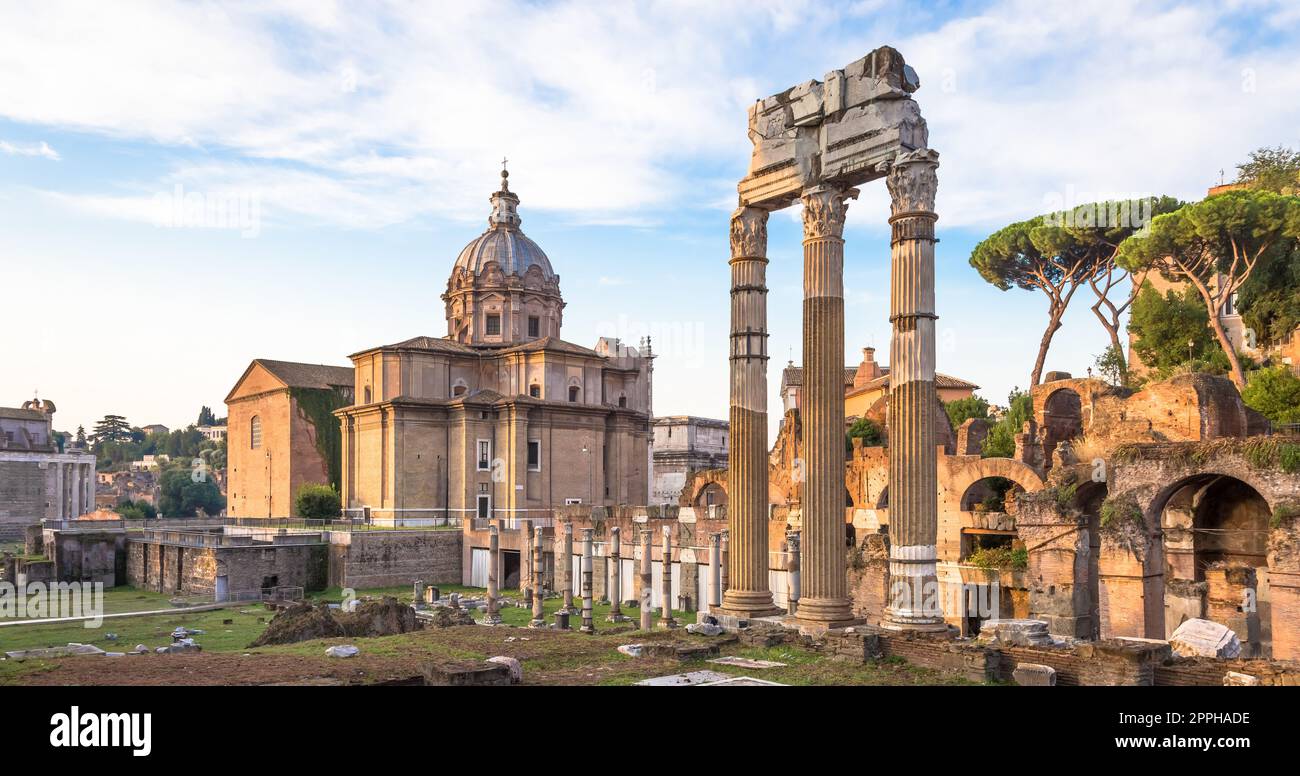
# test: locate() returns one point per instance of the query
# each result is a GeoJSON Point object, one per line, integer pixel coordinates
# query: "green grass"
{"type": "Point", "coordinates": [153, 630]}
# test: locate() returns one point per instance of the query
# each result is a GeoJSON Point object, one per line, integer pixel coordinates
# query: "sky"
{"type": "Point", "coordinates": [344, 153]}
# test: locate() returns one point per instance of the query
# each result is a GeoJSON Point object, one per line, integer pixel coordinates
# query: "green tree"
{"type": "Point", "coordinates": [961, 410]}
{"type": "Point", "coordinates": [81, 436]}
{"type": "Point", "coordinates": [183, 497]}
{"type": "Point", "coordinates": [1001, 441]}
{"type": "Point", "coordinates": [1271, 169]}
{"type": "Point", "coordinates": [1275, 394]}
{"type": "Point", "coordinates": [113, 428]}
{"type": "Point", "coordinates": [137, 510]}
{"type": "Point", "coordinates": [206, 418]}
{"type": "Point", "coordinates": [317, 502]}
{"type": "Point", "coordinates": [1214, 245]}
{"type": "Point", "coordinates": [1112, 366]}
{"type": "Point", "coordinates": [1171, 330]}
{"type": "Point", "coordinates": [867, 430]}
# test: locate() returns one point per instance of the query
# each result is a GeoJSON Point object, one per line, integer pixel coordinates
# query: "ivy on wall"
{"type": "Point", "coordinates": [318, 405]}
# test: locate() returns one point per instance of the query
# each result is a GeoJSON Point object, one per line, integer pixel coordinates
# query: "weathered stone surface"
{"type": "Point", "coordinates": [705, 629]}
{"type": "Point", "coordinates": [1204, 638]}
{"type": "Point", "coordinates": [1015, 633]}
{"type": "Point", "coordinates": [1237, 679]}
{"type": "Point", "coordinates": [465, 674]}
{"type": "Point", "coordinates": [342, 650]}
{"type": "Point", "coordinates": [688, 679]}
{"type": "Point", "coordinates": [72, 648]}
{"type": "Point", "coordinates": [516, 669]}
{"type": "Point", "coordinates": [1034, 675]}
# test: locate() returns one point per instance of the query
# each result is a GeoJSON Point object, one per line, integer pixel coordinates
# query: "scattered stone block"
{"type": "Point", "coordinates": [1205, 638]}
{"type": "Point", "coordinates": [1015, 633]}
{"type": "Point", "coordinates": [742, 681]}
{"type": "Point", "coordinates": [688, 679]}
{"type": "Point", "coordinates": [744, 662]}
{"type": "Point", "coordinates": [465, 674]}
{"type": "Point", "coordinates": [516, 670]}
{"type": "Point", "coordinates": [342, 650]}
{"type": "Point", "coordinates": [1235, 679]}
{"type": "Point", "coordinates": [704, 629]}
{"type": "Point", "coordinates": [631, 650]}
{"type": "Point", "coordinates": [73, 648]}
{"type": "Point", "coordinates": [1034, 675]}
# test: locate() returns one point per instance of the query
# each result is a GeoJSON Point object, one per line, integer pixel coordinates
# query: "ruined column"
{"type": "Point", "coordinates": [715, 571]}
{"type": "Point", "coordinates": [567, 569]}
{"type": "Point", "coordinates": [493, 616]}
{"type": "Point", "coordinates": [588, 626]}
{"type": "Point", "coordinates": [526, 561]}
{"type": "Point", "coordinates": [823, 561]}
{"type": "Point", "coordinates": [792, 568]}
{"type": "Point", "coordinates": [913, 477]}
{"type": "Point", "coordinates": [647, 581]}
{"type": "Point", "coordinates": [539, 618]}
{"type": "Point", "coordinates": [666, 583]}
{"type": "Point", "coordinates": [614, 587]}
{"type": "Point", "coordinates": [725, 543]}
{"type": "Point", "coordinates": [749, 595]}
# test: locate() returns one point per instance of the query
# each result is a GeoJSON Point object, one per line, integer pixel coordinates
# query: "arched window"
{"type": "Point", "coordinates": [573, 393]}
{"type": "Point", "coordinates": [622, 401]}
{"type": "Point", "coordinates": [255, 432]}
{"type": "Point", "coordinates": [535, 391]}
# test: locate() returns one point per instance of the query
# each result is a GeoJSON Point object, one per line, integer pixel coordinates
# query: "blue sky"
{"type": "Point", "coordinates": [366, 138]}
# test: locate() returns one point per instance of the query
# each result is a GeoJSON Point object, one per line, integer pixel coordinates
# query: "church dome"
{"type": "Point", "coordinates": [504, 242]}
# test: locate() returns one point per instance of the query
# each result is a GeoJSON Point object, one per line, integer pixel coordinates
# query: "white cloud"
{"type": "Point", "coordinates": [41, 149]}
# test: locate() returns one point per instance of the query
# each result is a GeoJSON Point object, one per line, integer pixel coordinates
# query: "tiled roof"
{"type": "Point", "coordinates": [551, 344]}
{"type": "Point", "coordinates": [297, 375]}
{"type": "Point", "coordinates": [793, 375]}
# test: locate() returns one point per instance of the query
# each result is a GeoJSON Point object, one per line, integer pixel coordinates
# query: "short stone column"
{"type": "Point", "coordinates": [748, 595]}
{"type": "Point", "coordinates": [417, 594]}
{"type": "Point", "coordinates": [913, 404]}
{"type": "Point", "coordinates": [526, 561]}
{"type": "Point", "coordinates": [565, 569]}
{"type": "Point", "coordinates": [493, 616]}
{"type": "Point", "coordinates": [539, 617]}
{"type": "Point", "coordinates": [824, 563]}
{"type": "Point", "coordinates": [725, 544]}
{"type": "Point", "coordinates": [792, 568]}
{"type": "Point", "coordinates": [588, 626]}
{"type": "Point", "coordinates": [715, 571]}
{"type": "Point", "coordinates": [614, 589]}
{"type": "Point", "coordinates": [666, 583]}
{"type": "Point", "coordinates": [647, 582]}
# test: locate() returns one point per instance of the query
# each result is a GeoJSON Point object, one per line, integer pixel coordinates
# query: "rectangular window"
{"type": "Point", "coordinates": [484, 455]}
{"type": "Point", "coordinates": [493, 325]}
{"type": "Point", "coordinates": [484, 507]}
{"type": "Point", "coordinates": [534, 326]}
{"type": "Point", "coordinates": [535, 455]}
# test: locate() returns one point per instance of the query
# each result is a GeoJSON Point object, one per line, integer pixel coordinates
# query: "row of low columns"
{"type": "Point", "coordinates": [823, 597]}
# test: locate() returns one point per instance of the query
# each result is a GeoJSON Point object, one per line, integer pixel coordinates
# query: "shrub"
{"type": "Point", "coordinates": [1274, 393]}
{"type": "Point", "coordinates": [999, 558]}
{"type": "Point", "coordinates": [1284, 513]}
{"type": "Point", "coordinates": [1115, 515]}
{"type": "Point", "coordinates": [317, 502]}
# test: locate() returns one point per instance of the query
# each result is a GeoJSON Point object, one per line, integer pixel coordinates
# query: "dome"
{"type": "Point", "coordinates": [504, 242]}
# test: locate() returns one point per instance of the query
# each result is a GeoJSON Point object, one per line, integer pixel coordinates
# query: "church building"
{"type": "Point", "coordinates": [501, 418]}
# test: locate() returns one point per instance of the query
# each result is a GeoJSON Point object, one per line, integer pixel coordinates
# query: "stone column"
{"type": "Point", "coordinates": [567, 568]}
{"type": "Point", "coordinates": [493, 616]}
{"type": "Point", "coordinates": [792, 568]}
{"type": "Point", "coordinates": [725, 543]}
{"type": "Point", "coordinates": [588, 626]}
{"type": "Point", "coordinates": [539, 617]}
{"type": "Point", "coordinates": [666, 583]}
{"type": "Point", "coordinates": [823, 562]}
{"type": "Point", "coordinates": [647, 581]}
{"type": "Point", "coordinates": [913, 477]}
{"type": "Point", "coordinates": [715, 571]}
{"type": "Point", "coordinates": [526, 561]}
{"type": "Point", "coordinates": [749, 595]}
{"type": "Point", "coordinates": [614, 587]}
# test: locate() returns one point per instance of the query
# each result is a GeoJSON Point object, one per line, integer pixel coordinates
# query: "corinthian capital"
{"type": "Point", "coordinates": [749, 233]}
{"type": "Point", "coordinates": [912, 182]}
{"type": "Point", "coordinates": [824, 208]}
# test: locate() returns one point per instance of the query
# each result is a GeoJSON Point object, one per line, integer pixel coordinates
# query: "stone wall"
{"type": "Point", "coordinates": [364, 559]}
{"type": "Point", "coordinates": [81, 556]}
{"type": "Point", "coordinates": [182, 570]}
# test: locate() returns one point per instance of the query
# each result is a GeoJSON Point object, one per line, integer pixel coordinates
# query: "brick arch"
{"type": "Point", "coordinates": [968, 472]}
{"type": "Point", "coordinates": [700, 480]}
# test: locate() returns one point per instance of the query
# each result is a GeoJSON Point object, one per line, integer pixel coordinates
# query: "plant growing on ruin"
{"type": "Point", "coordinates": [1117, 515]}
{"type": "Point", "coordinates": [1001, 441]}
{"type": "Point", "coordinates": [1284, 514]}
{"type": "Point", "coordinates": [865, 429]}
{"type": "Point", "coordinates": [1006, 557]}
{"type": "Point", "coordinates": [1213, 246]}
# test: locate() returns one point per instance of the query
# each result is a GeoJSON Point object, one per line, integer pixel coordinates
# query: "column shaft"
{"type": "Point", "coordinates": [825, 597]}
{"type": "Point", "coordinates": [748, 595]}
{"type": "Point", "coordinates": [913, 403]}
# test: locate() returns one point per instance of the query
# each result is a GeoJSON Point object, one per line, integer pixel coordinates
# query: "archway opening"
{"type": "Point", "coordinates": [1062, 420]}
{"type": "Point", "coordinates": [989, 494]}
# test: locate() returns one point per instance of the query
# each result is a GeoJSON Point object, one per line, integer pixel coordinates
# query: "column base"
{"type": "Point", "coordinates": [749, 604]}
{"type": "Point", "coordinates": [588, 629]}
{"type": "Point", "coordinates": [618, 618]}
{"type": "Point", "coordinates": [667, 623]}
{"type": "Point", "coordinates": [491, 619]}
{"type": "Point", "coordinates": [908, 620]}
{"type": "Point", "coordinates": [826, 612]}
{"type": "Point", "coordinates": [537, 624]}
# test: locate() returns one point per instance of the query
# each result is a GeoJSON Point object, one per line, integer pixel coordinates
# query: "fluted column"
{"type": "Point", "coordinates": [748, 595]}
{"type": "Point", "coordinates": [825, 596]}
{"type": "Point", "coordinates": [913, 479]}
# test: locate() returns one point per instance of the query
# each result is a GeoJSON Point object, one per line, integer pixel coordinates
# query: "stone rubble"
{"type": "Point", "coordinates": [1204, 638]}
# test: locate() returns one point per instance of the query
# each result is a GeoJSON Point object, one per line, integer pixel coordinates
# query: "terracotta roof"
{"type": "Point", "coordinates": [436, 344]}
{"type": "Point", "coordinates": [554, 344]}
{"type": "Point", "coordinates": [297, 375]}
{"type": "Point", "coordinates": [793, 375]}
{"type": "Point", "coordinates": [21, 414]}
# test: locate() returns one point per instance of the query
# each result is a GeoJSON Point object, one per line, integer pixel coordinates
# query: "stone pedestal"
{"type": "Point", "coordinates": [748, 595]}
{"type": "Point", "coordinates": [825, 596]}
{"type": "Point", "coordinates": [913, 476]}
